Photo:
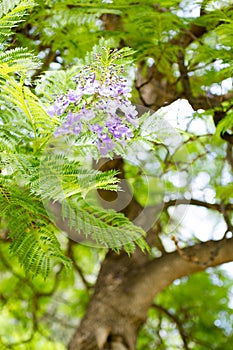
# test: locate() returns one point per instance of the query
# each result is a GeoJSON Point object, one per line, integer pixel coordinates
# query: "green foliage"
{"type": "Point", "coordinates": [29, 178]}
{"type": "Point", "coordinates": [31, 304]}
{"type": "Point", "coordinates": [61, 178]}
{"type": "Point", "coordinates": [12, 12]}
{"type": "Point", "coordinates": [226, 124]}
{"type": "Point", "coordinates": [33, 236]}
{"type": "Point", "coordinates": [194, 310]}
{"type": "Point", "coordinates": [107, 228]}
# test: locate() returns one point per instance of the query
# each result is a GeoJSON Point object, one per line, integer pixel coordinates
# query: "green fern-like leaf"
{"type": "Point", "coordinates": [61, 178]}
{"type": "Point", "coordinates": [103, 227]}
{"type": "Point", "coordinates": [35, 249]}
{"type": "Point", "coordinates": [15, 130]}
{"type": "Point", "coordinates": [226, 124]}
{"type": "Point", "coordinates": [12, 12]}
{"type": "Point", "coordinates": [22, 98]}
{"type": "Point", "coordinates": [32, 233]}
{"type": "Point", "coordinates": [54, 83]}
{"type": "Point", "coordinates": [17, 60]}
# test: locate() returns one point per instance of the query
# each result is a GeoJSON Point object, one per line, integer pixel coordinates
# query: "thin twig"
{"type": "Point", "coordinates": [227, 219]}
{"type": "Point", "coordinates": [193, 258]}
{"type": "Point", "coordinates": [70, 254]}
{"type": "Point", "coordinates": [176, 321]}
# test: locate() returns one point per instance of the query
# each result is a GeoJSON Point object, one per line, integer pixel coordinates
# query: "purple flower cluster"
{"type": "Point", "coordinates": [100, 107]}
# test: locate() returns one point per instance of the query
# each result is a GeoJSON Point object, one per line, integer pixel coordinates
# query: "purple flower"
{"type": "Point", "coordinates": [122, 89]}
{"type": "Point", "coordinates": [114, 88]}
{"type": "Point", "coordinates": [63, 130]}
{"type": "Point", "coordinates": [59, 106]}
{"type": "Point", "coordinates": [105, 91]}
{"type": "Point", "coordinates": [51, 111]}
{"type": "Point", "coordinates": [93, 78]}
{"type": "Point", "coordinates": [90, 87]}
{"type": "Point", "coordinates": [77, 128]}
{"type": "Point", "coordinates": [113, 105]}
{"type": "Point", "coordinates": [111, 90]}
{"type": "Point", "coordinates": [128, 109]}
{"type": "Point", "coordinates": [119, 131]}
{"type": "Point", "coordinates": [130, 113]}
{"type": "Point", "coordinates": [70, 118]}
{"type": "Point", "coordinates": [105, 145]}
{"type": "Point", "coordinates": [71, 125]}
{"type": "Point", "coordinates": [87, 114]}
{"type": "Point", "coordinates": [104, 109]}
{"type": "Point", "coordinates": [96, 128]}
{"type": "Point", "coordinates": [112, 122]}
{"type": "Point", "coordinates": [75, 95]}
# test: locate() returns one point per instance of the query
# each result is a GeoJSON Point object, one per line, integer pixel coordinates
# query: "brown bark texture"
{"type": "Point", "coordinates": [126, 288]}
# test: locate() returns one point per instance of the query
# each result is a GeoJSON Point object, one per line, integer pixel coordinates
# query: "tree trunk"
{"type": "Point", "coordinates": [111, 320]}
{"type": "Point", "coordinates": [126, 288]}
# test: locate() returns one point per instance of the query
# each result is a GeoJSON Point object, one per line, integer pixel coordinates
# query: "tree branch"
{"type": "Point", "coordinates": [226, 218]}
{"type": "Point", "coordinates": [187, 91]}
{"type": "Point", "coordinates": [45, 66]}
{"type": "Point", "coordinates": [70, 254]}
{"type": "Point", "coordinates": [158, 273]}
{"type": "Point", "coordinates": [197, 202]}
{"type": "Point", "coordinates": [229, 155]}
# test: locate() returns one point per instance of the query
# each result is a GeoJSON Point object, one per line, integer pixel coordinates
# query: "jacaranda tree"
{"type": "Point", "coordinates": [116, 174]}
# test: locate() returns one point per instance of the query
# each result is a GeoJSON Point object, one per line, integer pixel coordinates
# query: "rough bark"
{"type": "Point", "coordinates": [126, 288]}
